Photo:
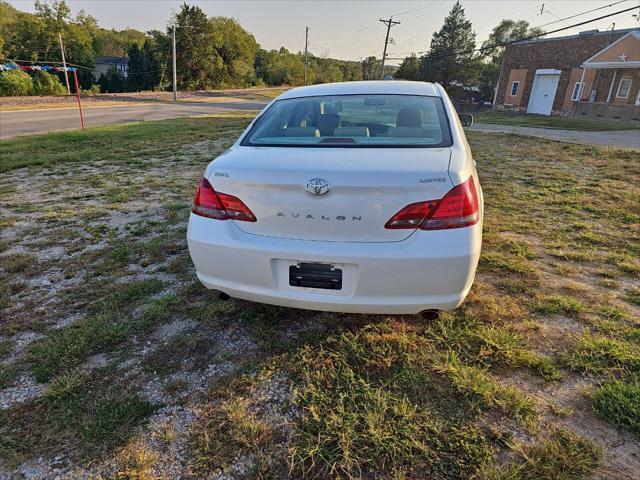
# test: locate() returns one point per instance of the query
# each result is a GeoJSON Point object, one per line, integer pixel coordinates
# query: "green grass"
{"type": "Point", "coordinates": [600, 353]}
{"type": "Point", "coordinates": [108, 322]}
{"type": "Point", "coordinates": [345, 395]}
{"type": "Point", "coordinates": [557, 303]}
{"type": "Point", "coordinates": [373, 402]}
{"type": "Point", "coordinates": [483, 390]}
{"type": "Point", "coordinates": [114, 143]}
{"type": "Point", "coordinates": [543, 121]}
{"type": "Point", "coordinates": [562, 456]}
{"type": "Point", "coordinates": [7, 375]}
{"type": "Point", "coordinates": [228, 424]}
{"type": "Point", "coordinates": [18, 262]}
{"type": "Point", "coordinates": [88, 415]}
{"type": "Point", "coordinates": [619, 403]}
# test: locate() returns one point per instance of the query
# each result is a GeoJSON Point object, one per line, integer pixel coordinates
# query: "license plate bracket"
{"type": "Point", "coordinates": [315, 275]}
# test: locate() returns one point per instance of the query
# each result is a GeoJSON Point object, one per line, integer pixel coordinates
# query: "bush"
{"type": "Point", "coordinates": [47, 84]}
{"type": "Point", "coordinates": [14, 83]}
{"type": "Point", "coordinates": [93, 90]}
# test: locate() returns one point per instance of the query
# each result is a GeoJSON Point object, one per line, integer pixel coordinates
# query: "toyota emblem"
{"type": "Point", "coordinates": [317, 186]}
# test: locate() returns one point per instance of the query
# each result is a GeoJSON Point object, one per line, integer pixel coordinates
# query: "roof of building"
{"type": "Point", "coordinates": [588, 33]}
{"type": "Point", "coordinates": [623, 53]}
{"type": "Point", "coordinates": [112, 60]}
{"type": "Point", "coordinates": [372, 87]}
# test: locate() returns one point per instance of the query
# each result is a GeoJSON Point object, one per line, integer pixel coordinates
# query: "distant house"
{"type": "Point", "coordinates": [594, 74]}
{"type": "Point", "coordinates": [103, 64]}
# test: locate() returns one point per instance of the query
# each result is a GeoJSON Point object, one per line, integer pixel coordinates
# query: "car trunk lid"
{"type": "Point", "coordinates": [366, 187]}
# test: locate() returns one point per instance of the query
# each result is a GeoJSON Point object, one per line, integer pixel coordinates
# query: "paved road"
{"type": "Point", "coordinates": [28, 122]}
{"type": "Point", "coordinates": [621, 138]}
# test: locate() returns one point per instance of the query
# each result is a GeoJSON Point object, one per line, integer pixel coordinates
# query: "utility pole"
{"type": "Point", "coordinates": [389, 23]}
{"type": "Point", "coordinates": [64, 64]}
{"type": "Point", "coordinates": [306, 53]}
{"type": "Point", "coordinates": [175, 76]}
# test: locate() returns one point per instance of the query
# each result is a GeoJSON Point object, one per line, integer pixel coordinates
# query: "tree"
{"type": "Point", "coordinates": [237, 49]}
{"type": "Point", "coordinates": [351, 71]}
{"type": "Point", "coordinates": [281, 67]}
{"type": "Point", "coordinates": [451, 56]}
{"type": "Point", "coordinates": [506, 31]}
{"type": "Point", "coordinates": [112, 82]}
{"type": "Point", "coordinates": [35, 37]}
{"type": "Point", "coordinates": [144, 68]}
{"type": "Point", "coordinates": [198, 58]}
{"type": "Point", "coordinates": [371, 68]}
{"type": "Point", "coordinates": [14, 83]}
{"type": "Point", "coordinates": [47, 84]}
{"type": "Point", "coordinates": [409, 69]}
{"type": "Point", "coordinates": [489, 74]}
{"type": "Point", "coordinates": [326, 70]}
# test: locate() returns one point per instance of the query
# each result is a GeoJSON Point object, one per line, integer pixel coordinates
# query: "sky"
{"type": "Point", "coordinates": [351, 29]}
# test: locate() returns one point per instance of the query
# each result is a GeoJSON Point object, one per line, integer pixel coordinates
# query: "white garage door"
{"type": "Point", "coordinates": [543, 92]}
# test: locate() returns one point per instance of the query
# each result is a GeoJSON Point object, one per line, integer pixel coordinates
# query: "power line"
{"type": "Point", "coordinates": [421, 7]}
{"type": "Point", "coordinates": [72, 65]}
{"type": "Point", "coordinates": [45, 61]}
{"type": "Point", "coordinates": [532, 37]}
{"type": "Point", "coordinates": [147, 71]}
{"type": "Point", "coordinates": [430, 12]}
{"type": "Point", "coordinates": [559, 19]}
{"type": "Point", "coordinates": [164, 68]}
{"type": "Point", "coordinates": [580, 14]}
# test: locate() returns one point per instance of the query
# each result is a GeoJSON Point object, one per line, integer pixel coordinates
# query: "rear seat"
{"type": "Point", "coordinates": [409, 124]}
{"type": "Point", "coordinates": [414, 132]}
{"type": "Point", "coordinates": [351, 132]}
{"type": "Point", "coordinates": [301, 132]}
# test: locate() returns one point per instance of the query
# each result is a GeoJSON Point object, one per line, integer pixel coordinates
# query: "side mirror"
{"type": "Point", "coordinates": [466, 119]}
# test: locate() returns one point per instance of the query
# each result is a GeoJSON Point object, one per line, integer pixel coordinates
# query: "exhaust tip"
{"type": "Point", "coordinates": [430, 314]}
{"type": "Point", "coordinates": [223, 296]}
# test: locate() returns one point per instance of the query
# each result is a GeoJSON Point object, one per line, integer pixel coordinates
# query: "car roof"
{"type": "Point", "coordinates": [398, 87]}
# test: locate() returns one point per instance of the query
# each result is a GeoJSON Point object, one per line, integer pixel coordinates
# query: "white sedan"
{"type": "Point", "coordinates": [349, 197]}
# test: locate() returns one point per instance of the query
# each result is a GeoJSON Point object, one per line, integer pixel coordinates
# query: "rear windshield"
{"type": "Point", "coordinates": [353, 121]}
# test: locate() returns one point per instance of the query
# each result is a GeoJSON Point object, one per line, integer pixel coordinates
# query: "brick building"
{"type": "Point", "coordinates": [591, 74]}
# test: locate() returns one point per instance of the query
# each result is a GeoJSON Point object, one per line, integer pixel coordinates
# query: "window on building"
{"type": "Point", "coordinates": [515, 86]}
{"type": "Point", "coordinates": [577, 91]}
{"type": "Point", "coordinates": [624, 88]}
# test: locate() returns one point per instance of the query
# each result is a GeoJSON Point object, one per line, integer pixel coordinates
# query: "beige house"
{"type": "Point", "coordinates": [619, 66]}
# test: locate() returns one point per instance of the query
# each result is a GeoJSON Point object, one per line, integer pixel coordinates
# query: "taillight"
{"type": "Point", "coordinates": [458, 208]}
{"type": "Point", "coordinates": [221, 206]}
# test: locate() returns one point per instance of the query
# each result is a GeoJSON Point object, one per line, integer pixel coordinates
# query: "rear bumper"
{"type": "Point", "coordinates": [428, 270]}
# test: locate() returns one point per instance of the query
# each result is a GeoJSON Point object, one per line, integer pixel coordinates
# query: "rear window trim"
{"type": "Point", "coordinates": [446, 143]}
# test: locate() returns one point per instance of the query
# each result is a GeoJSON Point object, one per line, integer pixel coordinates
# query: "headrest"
{"type": "Point", "coordinates": [327, 122]}
{"type": "Point", "coordinates": [351, 132]}
{"type": "Point", "coordinates": [301, 132]}
{"type": "Point", "coordinates": [409, 117]}
{"type": "Point", "coordinates": [406, 132]}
